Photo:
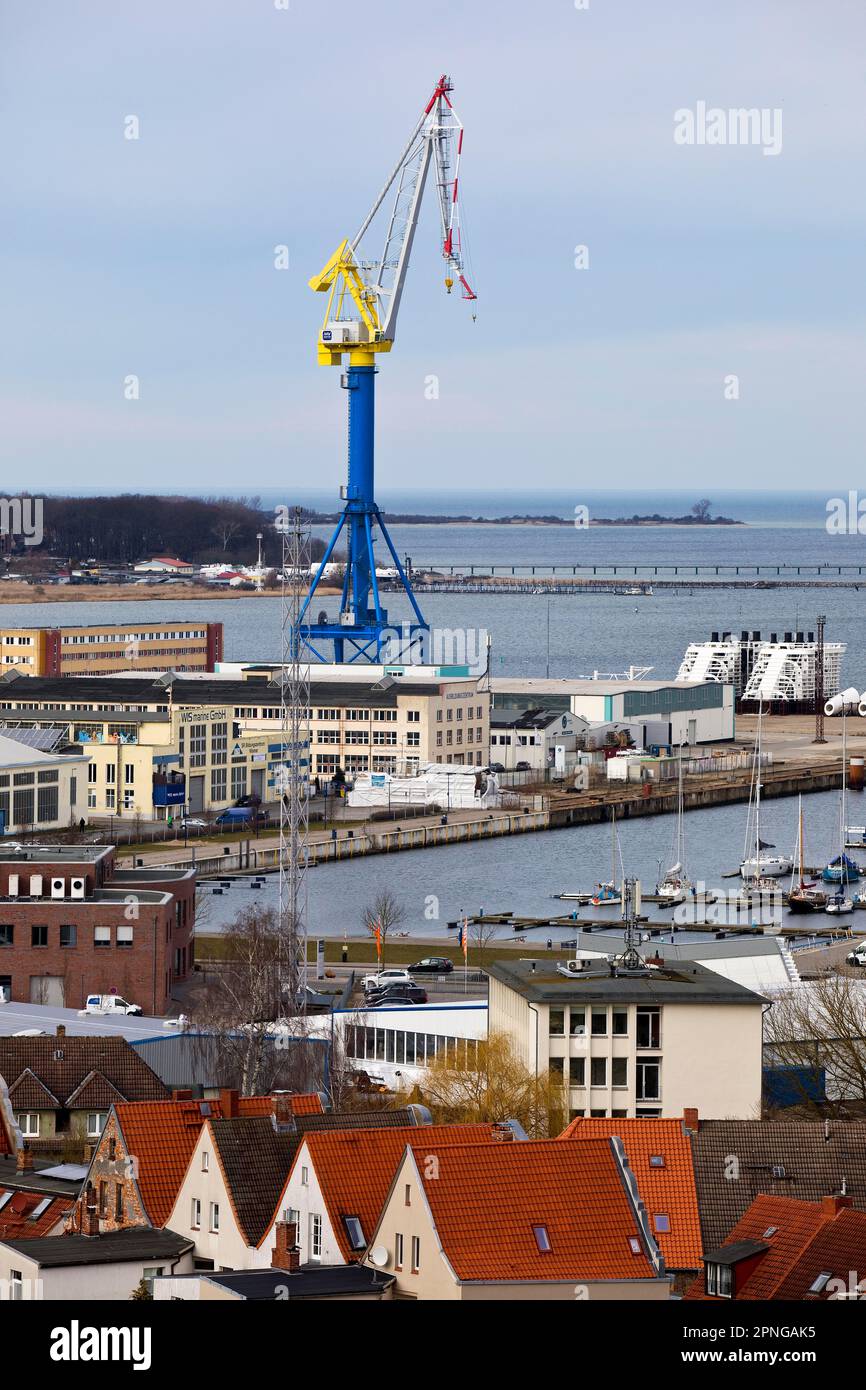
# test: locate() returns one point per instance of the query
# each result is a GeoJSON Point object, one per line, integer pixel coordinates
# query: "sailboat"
{"type": "Point", "coordinates": [842, 870]}
{"type": "Point", "coordinates": [806, 897]}
{"type": "Point", "coordinates": [607, 892]}
{"type": "Point", "coordinates": [760, 865]}
{"type": "Point", "coordinates": [675, 885]}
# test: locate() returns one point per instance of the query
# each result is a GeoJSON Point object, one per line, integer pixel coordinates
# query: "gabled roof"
{"type": "Point", "coordinates": [254, 1156]}
{"type": "Point", "coordinates": [355, 1169]}
{"type": "Point", "coordinates": [667, 1189]}
{"type": "Point", "coordinates": [95, 1093]}
{"type": "Point", "coordinates": [27, 1092]}
{"type": "Point", "coordinates": [838, 1248]}
{"type": "Point", "coordinates": [485, 1200]}
{"type": "Point", "coordinates": [784, 1228]}
{"type": "Point", "coordinates": [789, 1158]}
{"type": "Point", "coordinates": [63, 1063]}
{"type": "Point", "coordinates": [162, 1135]}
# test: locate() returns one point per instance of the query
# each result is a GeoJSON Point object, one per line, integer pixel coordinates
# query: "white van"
{"type": "Point", "coordinates": [110, 1004]}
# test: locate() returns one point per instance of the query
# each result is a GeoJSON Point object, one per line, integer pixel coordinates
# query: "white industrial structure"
{"type": "Point", "coordinates": [764, 670]}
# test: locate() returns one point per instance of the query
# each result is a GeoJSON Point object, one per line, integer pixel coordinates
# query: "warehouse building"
{"type": "Point", "coordinates": [39, 790]}
{"type": "Point", "coordinates": [672, 712]}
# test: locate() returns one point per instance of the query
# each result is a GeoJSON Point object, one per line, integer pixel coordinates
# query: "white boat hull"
{"type": "Point", "coordinates": [768, 866]}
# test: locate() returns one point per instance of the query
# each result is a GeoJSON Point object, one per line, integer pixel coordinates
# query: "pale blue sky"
{"type": "Point", "coordinates": [260, 126]}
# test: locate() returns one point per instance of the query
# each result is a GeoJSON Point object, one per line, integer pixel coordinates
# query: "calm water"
{"type": "Point", "coordinates": [521, 874]}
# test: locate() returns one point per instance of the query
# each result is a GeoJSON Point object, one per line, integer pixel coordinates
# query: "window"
{"type": "Point", "coordinates": [413, 739]}
{"type": "Point", "coordinates": [28, 1123]}
{"type": "Point", "coordinates": [215, 1216]}
{"type": "Point", "coordinates": [305, 1177]}
{"type": "Point", "coordinates": [218, 783]}
{"type": "Point", "coordinates": [556, 1023]}
{"type": "Point", "coordinates": [577, 1071]}
{"type": "Point", "coordinates": [195, 1213]}
{"type": "Point", "coordinates": [634, 1245]}
{"type": "Point", "coordinates": [649, 1028]}
{"type": "Point", "coordinates": [662, 1223]}
{"type": "Point", "coordinates": [620, 1023]}
{"type": "Point", "coordinates": [577, 1023]}
{"type": "Point", "coordinates": [118, 1201]}
{"type": "Point", "coordinates": [718, 1280]}
{"type": "Point", "coordinates": [649, 1079]}
{"type": "Point", "coordinates": [821, 1282]}
{"type": "Point", "coordinates": [16, 1285]}
{"type": "Point", "coordinates": [38, 936]}
{"type": "Point", "coordinates": [69, 936]}
{"type": "Point", "coordinates": [416, 1254]}
{"type": "Point", "coordinates": [355, 1232]}
{"type": "Point", "coordinates": [556, 1067]}
{"type": "Point", "coordinates": [102, 936]}
{"type": "Point", "coordinates": [315, 1237]}
{"type": "Point", "coordinates": [95, 1123]}
{"type": "Point", "coordinates": [124, 935]}
{"type": "Point", "coordinates": [598, 1071]}
{"type": "Point", "coordinates": [398, 1251]}
{"type": "Point", "coordinates": [151, 1272]}
{"type": "Point", "coordinates": [7, 936]}
{"type": "Point", "coordinates": [542, 1239]}
{"type": "Point", "coordinates": [407, 1196]}
{"type": "Point", "coordinates": [205, 1160]}
{"type": "Point", "coordinates": [657, 1160]}
{"type": "Point", "coordinates": [197, 745]}
{"type": "Point", "coordinates": [619, 1071]}
{"type": "Point", "coordinates": [48, 804]}
{"type": "Point", "coordinates": [599, 1023]}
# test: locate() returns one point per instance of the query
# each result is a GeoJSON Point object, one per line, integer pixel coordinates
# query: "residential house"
{"type": "Point", "coordinates": [659, 1153]}
{"type": "Point", "coordinates": [35, 1195]}
{"type": "Point", "coordinates": [232, 1195]}
{"type": "Point", "coordinates": [737, 1161]}
{"type": "Point", "coordinates": [339, 1180]}
{"type": "Point", "coordinates": [61, 1087]}
{"type": "Point", "coordinates": [633, 1044]}
{"type": "Point", "coordinates": [537, 1221]}
{"type": "Point", "coordinates": [110, 1267]}
{"type": "Point", "coordinates": [786, 1249]}
{"type": "Point", "coordinates": [144, 1151]}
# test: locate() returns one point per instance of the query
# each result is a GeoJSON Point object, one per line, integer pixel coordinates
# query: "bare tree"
{"type": "Point", "coordinates": [701, 510]}
{"type": "Point", "coordinates": [493, 1086]}
{"type": "Point", "coordinates": [819, 1028]}
{"type": "Point", "coordinates": [383, 915]}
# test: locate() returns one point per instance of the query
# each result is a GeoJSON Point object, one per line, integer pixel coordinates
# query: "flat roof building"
{"type": "Point", "coordinates": [104, 648]}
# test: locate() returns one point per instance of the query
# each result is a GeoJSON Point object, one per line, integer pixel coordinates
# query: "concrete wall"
{"type": "Point", "coordinates": [97, 1282]}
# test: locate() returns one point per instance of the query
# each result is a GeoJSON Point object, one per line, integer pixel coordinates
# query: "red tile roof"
{"type": "Point", "coordinates": [665, 1191]}
{"type": "Point", "coordinates": [796, 1226]}
{"type": "Point", "coordinates": [16, 1214]}
{"type": "Point", "coordinates": [838, 1249]}
{"type": "Point", "coordinates": [485, 1200]}
{"type": "Point", "coordinates": [355, 1169]}
{"type": "Point", "coordinates": [161, 1135]}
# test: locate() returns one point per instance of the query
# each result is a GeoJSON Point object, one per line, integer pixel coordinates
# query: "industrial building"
{"type": "Point", "coordinates": [159, 744]}
{"type": "Point", "coordinates": [71, 924]}
{"type": "Point", "coordinates": [104, 648]}
{"type": "Point", "coordinates": [671, 712]}
{"type": "Point", "coordinates": [39, 789]}
{"type": "Point", "coordinates": [765, 672]}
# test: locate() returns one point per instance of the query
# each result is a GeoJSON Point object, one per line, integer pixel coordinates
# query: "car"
{"type": "Point", "coordinates": [523, 767]}
{"type": "Point", "coordinates": [192, 823]}
{"type": "Point", "coordinates": [432, 965]}
{"type": "Point", "coordinates": [387, 977]}
{"type": "Point", "coordinates": [857, 956]}
{"type": "Point", "coordinates": [110, 1004]}
{"type": "Point", "coordinates": [398, 997]}
{"type": "Point", "coordinates": [496, 767]}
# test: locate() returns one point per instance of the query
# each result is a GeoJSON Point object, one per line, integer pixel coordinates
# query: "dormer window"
{"type": "Point", "coordinates": [719, 1281]}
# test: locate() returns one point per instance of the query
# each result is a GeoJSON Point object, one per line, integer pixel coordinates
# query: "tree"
{"type": "Point", "coordinates": [382, 916]}
{"type": "Point", "coordinates": [820, 1028]}
{"type": "Point", "coordinates": [496, 1086]}
{"type": "Point", "coordinates": [239, 1005]}
{"type": "Point", "coordinates": [141, 1293]}
{"type": "Point", "coordinates": [701, 510]}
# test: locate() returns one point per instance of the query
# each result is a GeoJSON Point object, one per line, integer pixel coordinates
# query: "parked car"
{"type": "Point", "coordinates": [397, 996]}
{"type": "Point", "coordinates": [523, 767]}
{"type": "Point", "coordinates": [386, 977]}
{"type": "Point", "coordinates": [241, 818]}
{"type": "Point", "coordinates": [110, 1004]}
{"type": "Point", "coordinates": [496, 767]}
{"type": "Point", "coordinates": [857, 956]}
{"type": "Point", "coordinates": [192, 823]}
{"type": "Point", "coordinates": [432, 965]}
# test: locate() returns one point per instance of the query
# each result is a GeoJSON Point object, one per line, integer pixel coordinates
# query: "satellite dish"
{"type": "Point", "coordinates": [379, 1256]}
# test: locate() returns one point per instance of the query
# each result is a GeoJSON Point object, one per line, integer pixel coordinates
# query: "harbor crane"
{"type": "Point", "coordinates": [360, 323]}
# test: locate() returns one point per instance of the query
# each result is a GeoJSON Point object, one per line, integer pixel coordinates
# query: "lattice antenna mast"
{"type": "Point", "coordinates": [293, 777]}
{"type": "Point", "coordinates": [819, 682]}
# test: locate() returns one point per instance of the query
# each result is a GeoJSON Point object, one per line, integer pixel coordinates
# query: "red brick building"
{"type": "Point", "coordinates": [73, 925]}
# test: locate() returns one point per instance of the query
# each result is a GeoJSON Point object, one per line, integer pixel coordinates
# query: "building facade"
{"type": "Point", "coordinates": [105, 648]}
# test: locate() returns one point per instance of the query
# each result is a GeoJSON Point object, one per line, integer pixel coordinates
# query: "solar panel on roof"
{"type": "Point", "coordinates": [45, 740]}
{"type": "Point", "coordinates": [40, 1208]}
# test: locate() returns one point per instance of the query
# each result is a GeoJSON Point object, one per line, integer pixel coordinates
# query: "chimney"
{"type": "Point", "coordinates": [285, 1254]}
{"type": "Point", "coordinates": [24, 1163]}
{"type": "Point", "coordinates": [90, 1222]}
{"type": "Point", "coordinates": [61, 1030]}
{"type": "Point", "coordinates": [229, 1104]}
{"type": "Point", "coordinates": [691, 1121]}
{"type": "Point", "coordinates": [831, 1206]}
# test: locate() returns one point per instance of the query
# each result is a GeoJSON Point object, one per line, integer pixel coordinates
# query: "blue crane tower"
{"type": "Point", "coordinates": [360, 322]}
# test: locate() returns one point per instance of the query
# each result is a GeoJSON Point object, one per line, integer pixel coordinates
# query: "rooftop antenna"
{"type": "Point", "coordinates": [819, 683]}
{"type": "Point", "coordinates": [293, 771]}
{"type": "Point", "coordinates": [631, 959]}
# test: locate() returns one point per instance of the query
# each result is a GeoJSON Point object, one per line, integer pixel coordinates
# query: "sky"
{"type": "Point", "coordinates": [264, 124]}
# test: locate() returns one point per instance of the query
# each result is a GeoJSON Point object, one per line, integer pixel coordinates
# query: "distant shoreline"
{"type": "Point", "coordinates": [642, 522]}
